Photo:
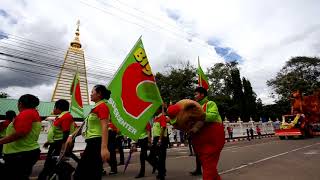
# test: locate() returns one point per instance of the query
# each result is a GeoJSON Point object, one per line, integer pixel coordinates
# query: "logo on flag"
{"type": "Point", "coordinates": [135, 96]}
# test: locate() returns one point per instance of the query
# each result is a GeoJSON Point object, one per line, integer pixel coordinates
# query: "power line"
{"type": "Point", "coordinates": [50, 67]}
{"type": "Point", "coordinates": [35, 59]}
{"type": "Point", "coordinates": [40, 45]}
{"type": "Point", "coordinates": [37, 73]}
{"type": "Point", "coordinates": [149, 15]}
{"type": "Point", "coordinates": [56, 60]}
{"type": "Point", "coordinates": [199, 41]}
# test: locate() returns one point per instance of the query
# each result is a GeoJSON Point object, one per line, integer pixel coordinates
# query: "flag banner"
{"type": "Point", "coordinates": [135, 96]}
{"type": "Point", "coordinates": [76, 99]}
{"type": "Point", "coordinates": [202, 78]}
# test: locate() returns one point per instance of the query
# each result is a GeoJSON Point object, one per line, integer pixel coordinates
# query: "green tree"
{"type": "Point", "coordinates": [177, 83]}
{"type": "Point", "coordinates": [250, 97]}
{"type": "Point", "coordinates": [299, 73]}
{"type": "Point", "coordinates": [237, 94]}
{"type": "Point", "coordinates": [4, 95]}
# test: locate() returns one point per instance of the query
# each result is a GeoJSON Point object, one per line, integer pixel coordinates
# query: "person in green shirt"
{"type": "Point", "coordinates": [95, 132]}
{"type": "Point", "coordinates": [159, 144]}
{"type": "Point", "coordinates": [10, 115]}
{"type": "Point", "coordinates": [58, 133]}
{"type": "Point", "coordinates": [206, 129]}
{"type": "Point", "coordinates": [21, 149]}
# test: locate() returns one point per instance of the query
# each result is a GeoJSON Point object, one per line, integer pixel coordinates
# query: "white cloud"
{"type": "Point", "coordinates": [43, 92]}
{"type": "Point", "coordinates": [265, 34]}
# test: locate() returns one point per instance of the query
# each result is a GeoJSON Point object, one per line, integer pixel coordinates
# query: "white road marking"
{"type": "Point", "coordinates": [265, 159]}
{"type": "Point", "coordinates": [239, 147]}
{"type": "Point", "coordinates": [312, 152]}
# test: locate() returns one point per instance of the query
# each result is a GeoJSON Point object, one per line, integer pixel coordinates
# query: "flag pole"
{"type": "Point", "coordinates": [199, 75]}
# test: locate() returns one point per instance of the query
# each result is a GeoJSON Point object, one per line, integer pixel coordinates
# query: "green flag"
{"type": "Point", "coordinates": [135, 96]}
{"type": "Point", "coordinates": [202, 78]}
{"type": "Point", "coordinates": [76, 100]}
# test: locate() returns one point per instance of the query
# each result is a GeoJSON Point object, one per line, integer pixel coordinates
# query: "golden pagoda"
{"type": "Point", "coordinates": [73, 61]}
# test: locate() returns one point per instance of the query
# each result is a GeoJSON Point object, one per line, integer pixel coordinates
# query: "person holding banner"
{"type": "Point", "coordinates": [58, 133]}
{"type": "Point", "coordinates": [95, 131]}
{"type": "Point", "coordinates": [21, 148]}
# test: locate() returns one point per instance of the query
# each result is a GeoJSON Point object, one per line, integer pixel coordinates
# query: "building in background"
{"type": "Point", "coordinates": [74, 61]}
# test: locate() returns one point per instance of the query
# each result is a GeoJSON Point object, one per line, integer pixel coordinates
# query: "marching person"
{"type": "Point", "coordinates": [112, 131]}
{"type": "Point", "coordinates": [10, 115]}
{"type": "Point", "coordinates": [119, 145]}
{"type": "Point", "coordinates": [58, 133]}
{"type": "Point", "coordinates": [21, 149]}
{"type": "Point", "coordinates": [159, 144]}
{"type": "Point", "coordinates": [206, 128]}
{"type": "Point", "coordinates": [143, 142]}
{"type": "Point", "coordinates": [96, 136]}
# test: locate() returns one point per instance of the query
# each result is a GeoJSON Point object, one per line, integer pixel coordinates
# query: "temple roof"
{"type": "Point", "coordinates": [44, 108]}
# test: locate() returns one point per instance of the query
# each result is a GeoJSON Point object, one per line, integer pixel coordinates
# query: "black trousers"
{"type": "Point", "coordinates": [90, 165]}
{"type": "Point", "coordinates": [50, 163]}
{"type": "Point", "coordinates": [143, 143]}
{"type": "Point", "coordinates": [119, 144]}
{"type": "Point", "coordinates": [158, 155]}
{"type": "Point", "coordinates": [1, 147]}
{"type": "Point", "coordinates": [19, 165]}
{"type": "Point", "coordinates": [198, 164]}
{"type": "Point", "coordinates": [190, 145]}
{"type": "Point", "coordinates": [112, 149]}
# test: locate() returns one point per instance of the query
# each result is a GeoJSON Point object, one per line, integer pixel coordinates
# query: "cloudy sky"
{"type": "Point", "coordinates": [261, 35]}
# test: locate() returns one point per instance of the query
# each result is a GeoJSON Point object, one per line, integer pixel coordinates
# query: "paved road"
{"type": "Point", "coordinates": [260, 159]}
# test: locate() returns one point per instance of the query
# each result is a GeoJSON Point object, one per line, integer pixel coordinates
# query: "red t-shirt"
{"type": "Point", "coordinates": [4, 125]}
{"type": "Point", "coordinates": [162, 120]}
{"type": "Point", "coordinates": [112, 126]}
{"type": "Point", "coordinates": [258, 130]}
{"type": "Point", "coordinates": [102, 111]}
{"type": "Point", "coordinates": [148, 127]}
{"type": "Point", "coordinates": [64, 122]}
{"type": "Point", "coordinates": [23, 122]}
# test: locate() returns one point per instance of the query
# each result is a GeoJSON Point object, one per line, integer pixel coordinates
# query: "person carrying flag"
{"type": "Point", "coordinates": [58, 133]}
{"type": "Point", "coordinates": [206, 128]}
{"type": "Point", "coordinates": [21, 148]}
{"type": "Point", "coordinates": [95, 131]}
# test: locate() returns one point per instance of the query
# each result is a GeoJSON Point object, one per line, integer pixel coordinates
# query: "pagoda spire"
{"type": "Point", "coordinates": [76, 42]}
{"type": "Point", "coordinates": [73, 62]}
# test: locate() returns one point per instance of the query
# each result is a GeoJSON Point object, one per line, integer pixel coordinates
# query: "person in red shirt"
{"type": "Point", "coordinates": [10, 115]}
{"type": "Point", "coordinates": [259, 132]}
{"type": "Point", "coordinates": [21, 149]}
{"type": "Point", "coordinates": [57, 135]}
{"type": "Point", "coordinates": [159, 144]}
{"type": "Point", "coordinates": [95, 132]}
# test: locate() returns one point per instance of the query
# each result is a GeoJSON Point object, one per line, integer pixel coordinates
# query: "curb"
{"type": "Point", "coordinates": [43, 156]}
{"type": "Point", "coordinates": [245, 138]}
